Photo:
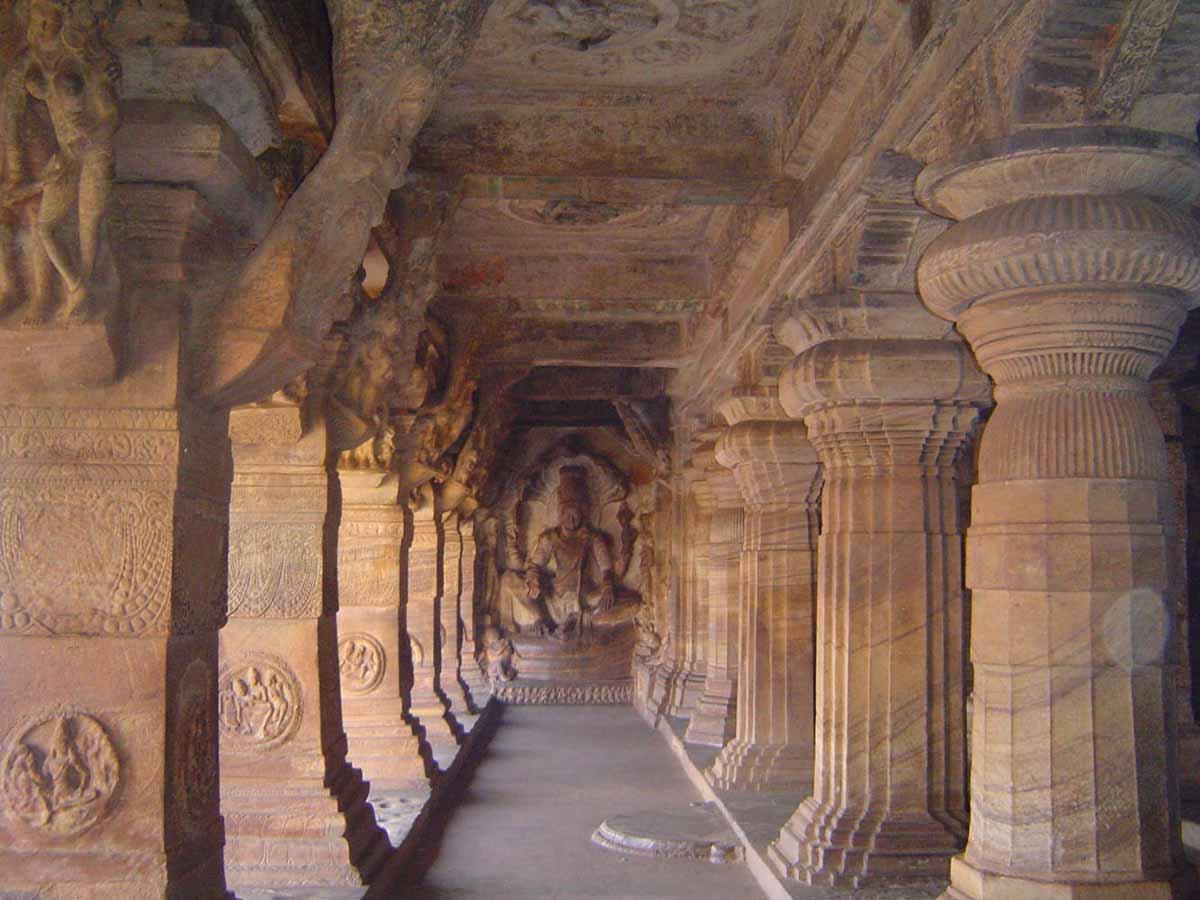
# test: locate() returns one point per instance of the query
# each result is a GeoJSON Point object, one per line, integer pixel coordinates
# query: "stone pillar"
{"type": "Point", "coordinates": [777, 471]}
{"type": "Point", "coordinates": [688, 683]}
{"type": "Point", "coordinates": [714, 721]}
{"type": "Point", "coordinates": [382, 741]}
{"type": "Point", "coordinates": [1070, 272]}
{"type": "Point", "coordinates": [112, 537]}
{"type": "Point", "coordinates": [670, 658]}
{"type": "Point", "coordinates": [295, 809]}
{"type": "Point", "coordinates": [449, 666]}
{"type": "Point", "coordinates": [469, 605]}
{"type": "Point", "coordinates": [889, 418]}
{"type": "Point", "coordinates": [423, 585]}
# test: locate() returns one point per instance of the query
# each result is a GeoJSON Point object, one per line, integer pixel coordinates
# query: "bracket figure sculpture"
{"type": "Point", "coordinates": [58, 117]}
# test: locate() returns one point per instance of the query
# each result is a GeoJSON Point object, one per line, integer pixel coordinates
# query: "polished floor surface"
{"type": "Point", "coordinates": [551, 775]}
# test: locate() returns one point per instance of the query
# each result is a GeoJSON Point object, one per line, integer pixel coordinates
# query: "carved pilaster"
{"type": "Point", "coordinates": [777, 471]}
{"type": "Point", "coordinates": [1071, 269]}
{"type": "Point", "coordinates": [889, 418]}
{"type": "Point", "coordinates": [287, 791]}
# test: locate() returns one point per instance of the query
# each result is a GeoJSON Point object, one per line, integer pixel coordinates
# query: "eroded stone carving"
{"type": "Point", "coordinates": [84, 559]}
{"type": "Point", "coordinates": [361, 662]}
{"type": "Point", "coordinates": [259, 700]}
{"type": "Point", "coordinates": [580, 26]}
{"type": "Point", "coordinates": [59, 113]}
{"type": "Point", "coordinates": [497, 655]}
{"type": "Point", "coordinates": [274, 569]}
{"type": "Point", "coordinates": [195, 775]}
{"type": "Point", "coordinates": [61, 773]}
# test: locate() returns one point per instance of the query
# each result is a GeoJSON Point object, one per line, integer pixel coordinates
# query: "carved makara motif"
{"type": "Point", "coordinates": [195, 775]}
{"type": "Point", "coordinates": [61, 773]}
{"type": "Point", "coordinates": [58, 115]}
{"type": "Point", "coordinates": [259, 700]}
{"type": "Point", "coordinates": [84, 559]}
{"type": "Point", "coordinates": [274, 569]}
{"type": "Point", "coordinates": [361, 661]}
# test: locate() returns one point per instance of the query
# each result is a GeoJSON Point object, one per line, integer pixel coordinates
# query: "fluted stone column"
{"type": "Point", "coordinates": [688, 683]}
{"type": "Point", "coordinates": [423, 586]}
{"type": "Point", "coordinates": [469, 605]}
{"type": "Point", "coordinates": [777, 471]}
{"type": "Point", "coordinates": [1070, 272]}
{"type": "Point", "coordinates": [671, 656]}
{"type": "Point", "coordinates": [295, 810]}
{"type": "Point", "coordinates": [888, 418]}
{"type": "Point", "coordinates": [382, 741]}
{"type": "Point", "coordinates": [449, 667]}
{"type": "Point", "coordinates": [714, 721]}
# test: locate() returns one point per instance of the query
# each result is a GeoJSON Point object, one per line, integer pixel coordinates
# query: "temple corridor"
{"type": "Point", "coordinates": [549, 777]}
{"type": "Point", "coordinates": [763, 431]}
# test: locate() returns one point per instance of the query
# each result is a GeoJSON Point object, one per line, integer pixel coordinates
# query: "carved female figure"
{"type": "Point", "coordinates": [66, 77]}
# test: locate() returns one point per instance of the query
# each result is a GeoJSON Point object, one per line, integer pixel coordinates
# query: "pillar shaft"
{"type": "Point", "coordinates": [780, 479]}
{"type": "Point", "coordinates": [688, 683]}
{"type": "Point", "coordinates": [423, 588]}
{"type": "Point", "coordinates": [714, 721]}
{"type": "Point", "coordinates": [296, 810]}
{"type": "Point", "coordinates": [382, 741]}
{"type": "Point", "coordinates": [473, 579]}
{"type": "Point", "coordinates": [450, 652]}
{"type": "Point", "coordinates": [1070, 275]}
{"type": "Point", "coordinates": [888, 797]}
{"type": "Point", "coordinates": [112, 524]}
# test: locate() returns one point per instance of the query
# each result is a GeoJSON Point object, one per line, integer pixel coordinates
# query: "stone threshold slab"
{"type": "Point", "coordinates": [756, 819]}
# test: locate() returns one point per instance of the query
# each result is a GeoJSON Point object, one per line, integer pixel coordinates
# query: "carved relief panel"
{"type": "Point", "coordinates": [259, 702]}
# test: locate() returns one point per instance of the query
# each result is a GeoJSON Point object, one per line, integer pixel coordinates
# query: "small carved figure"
{"type": "Point", "coordinates": [258, 704]}
{"type": "Point", "coordinates": [648, 640]}
{"type": "Point", "coordinates": [61, 774]}
{"type": "Point", "coordinates": [497, 655]}
{"type": "Point", "coordinates": [65, 78]}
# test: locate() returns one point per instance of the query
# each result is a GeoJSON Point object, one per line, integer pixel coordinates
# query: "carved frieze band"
{"type": "Point", "coordinates": [575, 694]}
{"type": "Point", "coordinates": [275, 569]}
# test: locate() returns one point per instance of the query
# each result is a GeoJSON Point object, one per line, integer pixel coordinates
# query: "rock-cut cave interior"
{"type": "Point", "coordinates": [513, 449]}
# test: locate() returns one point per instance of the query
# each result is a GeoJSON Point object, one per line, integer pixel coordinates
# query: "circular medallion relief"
{"type": "Point", "coordinates": [361, 661]}
{"type": "Point", "coordinates": [259, 701]}
{"type": "Point", "coordinates": [61, 773]}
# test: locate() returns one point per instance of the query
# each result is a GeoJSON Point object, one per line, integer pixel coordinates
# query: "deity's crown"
{"type": "Point", "coordinates": [573, 486]}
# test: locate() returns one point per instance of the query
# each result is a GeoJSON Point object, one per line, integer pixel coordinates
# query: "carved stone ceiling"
{"type": "Point", "coordinates": [590, 43]}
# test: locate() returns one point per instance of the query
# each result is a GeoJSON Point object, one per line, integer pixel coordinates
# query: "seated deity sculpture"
{"type": "Point", "coordinates": [568, 583]}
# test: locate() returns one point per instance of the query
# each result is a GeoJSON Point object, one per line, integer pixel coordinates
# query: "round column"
{"type": "Point", "coordinates": [1072, 268]}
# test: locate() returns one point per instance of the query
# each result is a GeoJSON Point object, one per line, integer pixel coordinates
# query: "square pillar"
{"type": "Point", "coordinates": [296, 810]}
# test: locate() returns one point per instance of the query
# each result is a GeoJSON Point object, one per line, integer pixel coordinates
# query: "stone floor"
{"type": "Point", "coordinates": [551, 775]}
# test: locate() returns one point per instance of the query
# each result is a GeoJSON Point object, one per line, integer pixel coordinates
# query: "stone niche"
{"type": "Point", "coordinates": [559, 625]}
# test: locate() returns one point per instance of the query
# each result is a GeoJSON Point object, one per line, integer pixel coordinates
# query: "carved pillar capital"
{"type": "Point", "coordinates": [885, 402]}
{"type": "Point", "coordinates": [773, 462]}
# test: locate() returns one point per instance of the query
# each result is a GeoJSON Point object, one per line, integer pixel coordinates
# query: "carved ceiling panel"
{"type": "Point", "coordinates": [630, 42]}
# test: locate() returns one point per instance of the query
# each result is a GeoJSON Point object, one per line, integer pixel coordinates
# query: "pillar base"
{"type": "Point", "coordinates": [714, 722]}
{"type": "Point", "coordinates": [383, 743]}
{"type": "Point", "coordinates": [685, 691]}
{"type": "Point", "coordinates": [295, 831]}
{"type": "Point", "coordinates": [430, 711]}
{"type": "Point", "coordinates": [970, 883]}
{"type": "Point", "coordinates": [762, 767]}
{"type": "Point", "coordinates": [840, 848]}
